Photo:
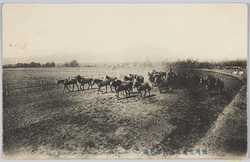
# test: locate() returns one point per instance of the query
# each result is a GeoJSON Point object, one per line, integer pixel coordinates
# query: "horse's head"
{"type": "Point", "coordinates": [78, 78]}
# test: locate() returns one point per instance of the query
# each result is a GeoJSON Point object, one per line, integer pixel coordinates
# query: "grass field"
{"type": "Point", "coordinates": [44, 122]}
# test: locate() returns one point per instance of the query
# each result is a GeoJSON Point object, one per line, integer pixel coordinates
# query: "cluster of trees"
{"type": "Point", "coordinates": [72, 63]}
{"type": "Point", "coordinates": [240, 63]}
{"type": "Point", "coordinates": [27, 65]}
{"type": "Point", "coordinates": [189, 63]}
{"type": "Point", "coordinates": [52, 64]}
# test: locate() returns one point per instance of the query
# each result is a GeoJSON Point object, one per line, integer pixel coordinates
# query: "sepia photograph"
{"type": "Point", "coordinates": [124, 81]}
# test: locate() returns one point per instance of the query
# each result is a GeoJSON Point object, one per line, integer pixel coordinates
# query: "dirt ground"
{"type": "Point", "coordinates": [54, 125]}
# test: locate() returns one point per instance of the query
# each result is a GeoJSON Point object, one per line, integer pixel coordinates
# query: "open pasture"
{"type": "Point", "coordinates": [83, 121]}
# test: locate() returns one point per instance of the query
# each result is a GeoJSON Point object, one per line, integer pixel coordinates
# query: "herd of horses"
{"type": "Point", "coordinates": [128, 84]}
{"type": "Point", "coordinates": [193, 82]}
{"type": "Point", "coordinates": [163, 80]}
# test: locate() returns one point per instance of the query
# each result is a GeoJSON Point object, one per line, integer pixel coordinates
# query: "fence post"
{"type": "Point", "coordinates": [7, 89]}
{"type": "Point", "coordinates": [41, 85]}
{"type": "Point", "coordinates": [26, 87]}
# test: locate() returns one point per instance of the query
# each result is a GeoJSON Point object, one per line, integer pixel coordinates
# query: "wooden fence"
{"type": "Point", "coordinates": [7, 89]}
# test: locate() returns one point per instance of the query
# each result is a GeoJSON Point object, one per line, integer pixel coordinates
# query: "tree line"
{"type": "Point", "coordinates": [189, 63]}
{"type": "Point", "coordinates": [72, 63]}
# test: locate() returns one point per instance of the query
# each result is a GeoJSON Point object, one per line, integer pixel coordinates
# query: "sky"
{"type": "Point", "coordinates": [124, 32]}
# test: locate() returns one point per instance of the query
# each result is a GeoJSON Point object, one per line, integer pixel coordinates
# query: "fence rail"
{"type": "Point", "coordinates": [7, 88]}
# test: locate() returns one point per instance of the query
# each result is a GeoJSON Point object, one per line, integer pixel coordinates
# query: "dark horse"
{"type": "Point", "coordinates": [140, 79]}
{"type": "Point", "coordinates": [67, 82]}
{"type": "Point", "coordinates": [102, 84]}
{"type": "Point", "coordinates": [84, 81]}
{"type": "Point", "coordinates": [211, 83]}
{"type": "Point", "coordinates": [142, 87]}
{"type": "Point", "coordinates": [165, 85]}
{"type": "Point", "coordinates": [110, 79]}
{"type": "Point", "coordinates": [96, 81]}
{"type": "Point", "coordinates": [126, 78]}
{"type": "Point", "coordinates": [219, 85]}
{"type": "Point", "coordinates": [115, 83]}
{"type": "Point", "coordinates": [124, 86]}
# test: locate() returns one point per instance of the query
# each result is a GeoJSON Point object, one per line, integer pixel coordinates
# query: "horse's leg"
{"type": "Point", "coordinates": [106, 88]}
{"type": "Point", "coordinates": [148, 92]}
{"type": "Point", "coordinates": [68, 88]}
{"type": "Point", "coordinates": [64, 89]}
{"type": "Point", "coordinates": [77, 86]}
{"type": "Point", "coordinates": [99, 89]}
{"type": "Point", "coordinates": [145, 92]}
{"type": "Point", "coordinates": [126, 93]}
{"type": "Point", "coordinates": [73, 87]}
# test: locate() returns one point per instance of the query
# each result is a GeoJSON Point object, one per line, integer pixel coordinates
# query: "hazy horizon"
{"type": "Point", "coordinates": [124, 32]}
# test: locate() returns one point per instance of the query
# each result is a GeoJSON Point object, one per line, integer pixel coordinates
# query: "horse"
{"type": "Point", "coordinates": [66, 83]}
{"type": "Point", "coordinates": [89, 81]}
{"type": "Point", "coordinates": [126, 78]}
{"type": "Point", "coordinates": [115, 83]}
{"type": "Point", "coordinates": [157, 80]}
{"type": "Point", "coordinates": [102, 84]}
{"type": "Point", "coordinates": [164, 85]}
{"type": "Point", "coordinates": [151, 78]}
{"type": "Point", "coordinates": [210, 83]}
{"type": "Point", "coordinates": [110, 78]}
{"type": "Point", "coordinates": [142, 87]}
{"type": "Point", "coordinates": [124, 86]}
{"type": "Point", "coordinates": [219, 85]}
{"type": "Point", "coordinates": [84, 81]}
{"type": "Point", "coordinates": [140, 79]}
{"type": "Point", "coordinates": [96, 81]}
{"type": "Point", "coordinates": [163, 74]}
{"type": "Point", "coordinates": [133, 75]}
